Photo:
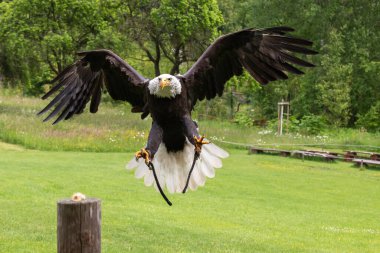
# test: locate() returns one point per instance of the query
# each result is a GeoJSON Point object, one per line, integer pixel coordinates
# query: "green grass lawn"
{"type": "Point", "coordinates": [256, 203]}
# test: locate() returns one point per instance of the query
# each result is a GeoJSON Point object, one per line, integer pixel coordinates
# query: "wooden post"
{"type": "Point", "coordinates": [78, 228]}
{"type": "Point", "coordinates": [280, 112]}
{"type": "Point", "coordinates": [287, 117]}
{"type": "Point", "coordinates": [281, 117]}
{"type": "Point", "coordinates": [361, 165]}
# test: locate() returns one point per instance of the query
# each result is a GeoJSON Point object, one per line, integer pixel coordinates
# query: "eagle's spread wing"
{"type": "Point", "coordinates": [84, 80]}
{"type": "Point", "coordinates": [264, 53]}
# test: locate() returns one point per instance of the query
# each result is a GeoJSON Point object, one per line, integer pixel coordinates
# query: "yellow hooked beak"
{"type": "Point", "coordinates": [164, 82]}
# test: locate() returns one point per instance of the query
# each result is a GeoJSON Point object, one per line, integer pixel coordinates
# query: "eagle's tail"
{"type": "Point", "coordinates": [172, 168]}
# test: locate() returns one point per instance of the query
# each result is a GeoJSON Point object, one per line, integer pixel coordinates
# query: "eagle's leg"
{"type": "Point", "coordinates": [154, 140]}
{"type": "Point", "coordinates": [193, 135]}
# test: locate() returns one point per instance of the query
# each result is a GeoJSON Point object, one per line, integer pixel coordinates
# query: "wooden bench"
{"type": "Point", "coordinates": [324, 152]}
{"type": "Point", "coordinates": [256, 150]}
{"type": "Point", "coordinates": [302, 154]}
{"type": "Point", "coordinates": [350, 155]}
{"type": "Point", "coordinates": [366, 162]}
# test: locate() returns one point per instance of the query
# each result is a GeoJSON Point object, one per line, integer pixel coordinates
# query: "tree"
{"type": "Point", "coordinates": [370, 120]}
{"type": "Point", "coordinates": [175, 30]}
{"type": "Point", "coordinates": [335, 83]}
{"type": "Point", "coordinates": [41, 37]}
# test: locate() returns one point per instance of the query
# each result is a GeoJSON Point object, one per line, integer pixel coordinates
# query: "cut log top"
{"type": "Point", "coordinates": [82, 202]}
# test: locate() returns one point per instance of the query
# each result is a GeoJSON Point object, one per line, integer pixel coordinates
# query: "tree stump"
{"type": "Point", "coordinates": [78, 228]}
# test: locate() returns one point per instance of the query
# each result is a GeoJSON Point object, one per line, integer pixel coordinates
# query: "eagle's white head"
{"type": "Point", "coordinates": [165, 86]}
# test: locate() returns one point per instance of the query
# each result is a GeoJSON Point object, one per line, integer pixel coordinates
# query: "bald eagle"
{"type": "Point", "coordinates": [174, 139]}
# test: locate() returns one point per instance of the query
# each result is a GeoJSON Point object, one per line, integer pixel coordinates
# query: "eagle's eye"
{"type": "Point", "coordinates": [169, 78]}
{"type": "Point", "coordinates": [159, 79]}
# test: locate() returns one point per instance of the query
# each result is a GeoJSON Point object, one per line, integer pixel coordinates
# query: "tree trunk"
{"type": "Point", "coordinates": [175, 68]}
{"type": "Point", "coordinates": [157, 70]}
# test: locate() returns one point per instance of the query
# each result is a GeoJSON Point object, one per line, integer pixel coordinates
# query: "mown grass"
{"type": "Point", "coordinates": [256, 203]}
{"type": "Point", "coordinates": [114, 129]}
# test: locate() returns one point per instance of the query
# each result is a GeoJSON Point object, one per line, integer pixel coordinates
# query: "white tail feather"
{"type": "Point", "coordinates": [192, 184]}
{"type": "Point", "coordinates": [141, 170]}
{"type": "Point", "coordinates": [211, 160]}
{"type": "Point", "coordinates": [149, 179]}
{"type": "Point", "coordinates": [173, 168]}
{"type": "Point", "coordinates": [198, 177]}
{"type": "Point", "coordinates": [217, 151]}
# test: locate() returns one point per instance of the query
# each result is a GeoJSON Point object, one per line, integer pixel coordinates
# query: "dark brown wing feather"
{"type": "Point", "coordinates": [264, 53]}
{"type": "Point", "coordinates": [84, 80]}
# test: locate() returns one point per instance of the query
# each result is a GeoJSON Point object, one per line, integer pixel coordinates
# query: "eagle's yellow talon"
{"type": "Point", "coordinates": [199, 142]}
{"type": "Point", "coordinates": [143, 153]}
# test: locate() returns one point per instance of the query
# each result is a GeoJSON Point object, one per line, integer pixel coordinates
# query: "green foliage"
{"type": "Point", "coordinates": [244, 117]}
{"type": "Point", "coordinates": [170, 33]}
{"type": "Point", "coordinates": [293, 126]}
{"type": "Point", "coordinates": [183, 20]}
{"type": "Point", "coordinates": [334, 85]}
{"type": "Point", "coordinates": [346, 80]}
{"type": "Point", "coordinates": [41, 37]}
{"type": "Point", "coordinates": [312, 124]}
{"type": "Point", "coordinates": [308, 125]}
{"type": "Point", "coordinates": [370, 120]}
